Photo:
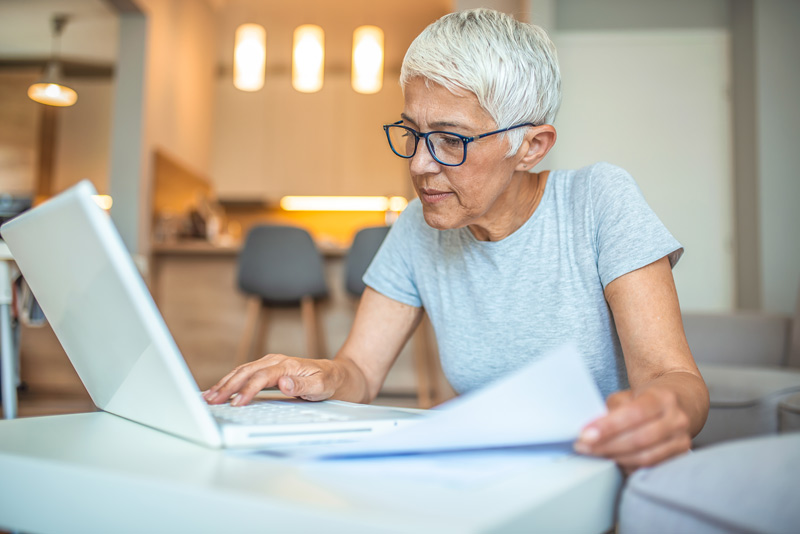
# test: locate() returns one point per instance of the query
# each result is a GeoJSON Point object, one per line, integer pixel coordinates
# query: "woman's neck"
{"type": "Point", "coordinates": [523, 197]}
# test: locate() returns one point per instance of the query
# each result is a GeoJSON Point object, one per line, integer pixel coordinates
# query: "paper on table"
{"type": "Point", "coordinates": [451, 469]}
{"type": "Point", "coordinates": [547, 401]}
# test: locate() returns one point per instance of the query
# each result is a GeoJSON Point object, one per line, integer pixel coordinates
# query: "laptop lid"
{"type": "Point", "coordinates": [85, 280]}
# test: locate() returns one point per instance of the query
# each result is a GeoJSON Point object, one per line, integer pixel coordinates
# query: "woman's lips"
{"type": "Point", "coordinates": [434, 195]}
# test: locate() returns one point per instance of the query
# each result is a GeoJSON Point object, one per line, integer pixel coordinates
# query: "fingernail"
{"type": "Point", "coordinates": [589, 435]}
{"type": "Point", "coordinates": [210, 395]}
{"type": "Point", "coordinates": [581, 448]}
{"type": "Point", "coordinates": [236, 401]}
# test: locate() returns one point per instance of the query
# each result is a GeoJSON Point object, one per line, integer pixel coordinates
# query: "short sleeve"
{"type": "Point", "coordinates": [628, 233]}
{"type": "Point", "coordinates": [391, 272]}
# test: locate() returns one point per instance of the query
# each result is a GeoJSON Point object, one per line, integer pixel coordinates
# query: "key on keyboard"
{"type": "Point", "coordinates": [272, 413]}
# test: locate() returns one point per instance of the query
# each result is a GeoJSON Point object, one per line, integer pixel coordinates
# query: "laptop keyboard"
{"type": "Point", "coordinates": [273, 413]}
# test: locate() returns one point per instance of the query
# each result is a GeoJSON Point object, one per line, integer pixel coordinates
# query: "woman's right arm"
{"type": "Point", "coordinates": [381, 328]}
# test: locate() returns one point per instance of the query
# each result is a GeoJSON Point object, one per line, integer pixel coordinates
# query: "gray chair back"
{"type": "Point", "coordinates": [281, 264]}
{"type": "Point", "coordinates": [366, 243]}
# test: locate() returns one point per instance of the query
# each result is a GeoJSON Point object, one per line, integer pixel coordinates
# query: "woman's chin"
{"type": "Point", "coordinates": [441, 221]}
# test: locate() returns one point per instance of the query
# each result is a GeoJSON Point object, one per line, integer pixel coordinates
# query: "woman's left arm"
{"type": "Point", "coordinates": [667, 404]}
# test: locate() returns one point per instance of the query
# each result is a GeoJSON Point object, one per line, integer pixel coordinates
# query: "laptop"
{"type": "Point", "coordinates": [99, 307]}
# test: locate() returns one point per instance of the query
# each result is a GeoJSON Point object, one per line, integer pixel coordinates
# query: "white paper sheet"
{"type": "Point", "coordinates": [547, 401]}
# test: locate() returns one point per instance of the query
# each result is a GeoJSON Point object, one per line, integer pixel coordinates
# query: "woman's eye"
{"type": "Point", "coordinates": [450, 141]}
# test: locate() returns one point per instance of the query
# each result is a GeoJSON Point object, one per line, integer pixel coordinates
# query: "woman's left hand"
{"type": "Point", "coordinates": [639, 430]}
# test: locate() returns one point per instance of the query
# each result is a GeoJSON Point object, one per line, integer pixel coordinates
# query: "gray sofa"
{"type": "Point", "coordinates": [746, 486]}
{"type": "Point", "coordinates": [743, 473]}
{"type": "Point", "coordinates": [751, 364]}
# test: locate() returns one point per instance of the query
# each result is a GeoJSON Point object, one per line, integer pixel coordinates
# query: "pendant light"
{"type": "Point", "coordinates": [308, 58]}
{"type": "Point", "coordinates": [249, 57]}
{"type": "Point", "coordinates": [367, 69]}
{"type": "Point", "coordinates": [50, 90]}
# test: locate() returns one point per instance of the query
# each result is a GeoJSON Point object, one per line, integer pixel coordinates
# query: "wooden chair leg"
{"type": "Point", "coordinates": [315, 346]}
{"type": "Point", "coordinates": [434, 368]}
{"type": "Point", "coordinates": [421, 366]}
{"type": "Point", "coordinates": [261, 341]}
{"type": "Point", "coordinates": [245, 348]}
{"type": "Point", "coordinates": [319, 331]}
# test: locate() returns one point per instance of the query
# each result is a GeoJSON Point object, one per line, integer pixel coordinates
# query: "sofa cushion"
{"type": "Point", "coordinates": [741, 338]}
{"type": "Point", "coordinates": [740, 486]}
{"type": "Point", "coordinates": [735, 385]}
{"type": "Point", "coordinates": [744, 401]}
{"type": "Point", "coordinates": [789, 414]}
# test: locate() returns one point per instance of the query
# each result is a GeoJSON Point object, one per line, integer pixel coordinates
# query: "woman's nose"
{"type": "Point", "coordinates": [422, 162]}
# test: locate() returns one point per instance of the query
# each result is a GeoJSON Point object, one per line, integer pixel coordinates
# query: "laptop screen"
{"type": "Point", "coordinates": [103, 315]}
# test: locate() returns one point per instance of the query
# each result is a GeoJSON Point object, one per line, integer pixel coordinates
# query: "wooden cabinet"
{"type": "Point", "coordinates": [264, 149]}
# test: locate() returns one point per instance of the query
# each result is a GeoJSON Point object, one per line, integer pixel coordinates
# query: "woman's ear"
{"type": "Point", "coordinates": [537, 143]}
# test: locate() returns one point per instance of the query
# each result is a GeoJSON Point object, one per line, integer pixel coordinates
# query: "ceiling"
{"type": "Point", "coordinates": [90, 35]}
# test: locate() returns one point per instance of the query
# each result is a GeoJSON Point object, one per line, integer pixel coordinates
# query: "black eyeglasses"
{"type": "Point", "coordinates": [447, 148]}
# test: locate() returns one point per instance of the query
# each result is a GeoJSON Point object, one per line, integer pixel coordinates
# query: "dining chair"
{"type": "Point", "coordinates": [365, 245]}
{"type": "Point", "coordinates": [280, 266]}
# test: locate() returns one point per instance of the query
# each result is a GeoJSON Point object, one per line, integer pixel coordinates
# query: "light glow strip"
{"type": "Point", "coordinates": [343, 203]}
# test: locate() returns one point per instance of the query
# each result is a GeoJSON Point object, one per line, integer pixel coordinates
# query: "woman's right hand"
{"type": "Point", "coordinates": [313, 380]}
{"type": "Point", "coordinates": [380, 329]}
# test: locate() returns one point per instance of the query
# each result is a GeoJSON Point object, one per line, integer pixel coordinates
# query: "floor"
{"type": "Point", "coordinates": [37, 404]}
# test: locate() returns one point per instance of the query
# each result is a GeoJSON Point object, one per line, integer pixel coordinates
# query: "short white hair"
{"type": "Point", "coordinates": [510, 66]}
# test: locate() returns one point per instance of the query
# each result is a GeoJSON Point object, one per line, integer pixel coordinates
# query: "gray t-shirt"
{"type": "Point", "coordinates": [495, 306]}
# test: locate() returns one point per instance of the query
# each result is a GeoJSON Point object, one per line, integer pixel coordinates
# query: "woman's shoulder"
{"type": "Point", "coordinates": [600, 171]}
{"type": "Point", "coordinates": [596, 179]}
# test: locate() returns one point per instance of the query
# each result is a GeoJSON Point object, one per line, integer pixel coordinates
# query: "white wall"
{"type": "Point", "coordinates": [777, 42]}
{"type": "Point", "coordinates": [128, 176]}
{"type": "Point", "coordinates": [181, 75]}
{"type": "Point", "coordinates": [656, 103]}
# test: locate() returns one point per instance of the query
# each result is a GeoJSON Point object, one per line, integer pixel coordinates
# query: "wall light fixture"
{"type": "Point", "coordinates": [249, 57]}
{"type": "Point", "coordinates": [308, 58]}
{"type": "Point", "coordinates": [367, 69]}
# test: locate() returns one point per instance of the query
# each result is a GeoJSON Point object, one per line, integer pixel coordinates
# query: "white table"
{"type": "Point", "coordinates": [8, 354]}
{"type": "Point", "coordinates": [99, 473]}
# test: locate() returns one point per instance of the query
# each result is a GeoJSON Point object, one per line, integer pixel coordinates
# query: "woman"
{"type": "Point", "coordinates": [509, 263]}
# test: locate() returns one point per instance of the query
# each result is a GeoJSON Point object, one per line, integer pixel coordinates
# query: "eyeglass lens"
{"type": "Point", "coordinates": [445, 148]}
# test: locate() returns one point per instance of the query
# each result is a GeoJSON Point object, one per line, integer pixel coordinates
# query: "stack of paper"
{"type": "Point", "coordinates": [548, 401]}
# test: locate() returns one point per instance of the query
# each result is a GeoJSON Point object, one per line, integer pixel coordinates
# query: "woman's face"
{"type": "Point", "coordinates": [474, 193]}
